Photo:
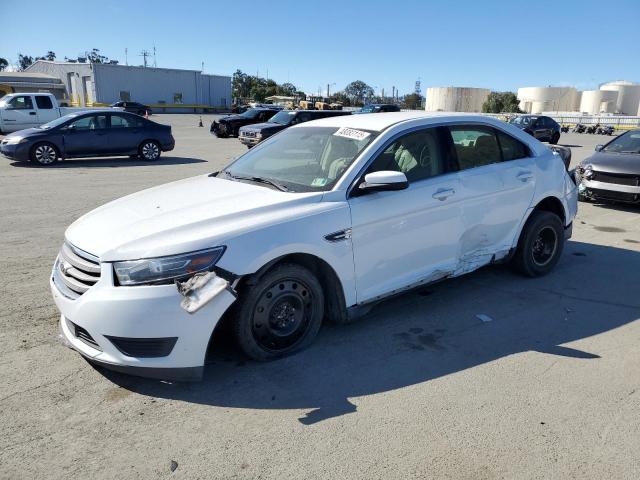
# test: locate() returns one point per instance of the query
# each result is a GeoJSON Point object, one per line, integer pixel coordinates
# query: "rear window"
{"type": "Point", "coordinates": [44, 103]}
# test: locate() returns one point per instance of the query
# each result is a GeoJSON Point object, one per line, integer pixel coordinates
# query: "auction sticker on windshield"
{"type": "Point", "coordinates": [351, 133]}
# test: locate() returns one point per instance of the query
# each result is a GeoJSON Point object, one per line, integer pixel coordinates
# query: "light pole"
{"type": "Point", "coordinates": [328, 87]}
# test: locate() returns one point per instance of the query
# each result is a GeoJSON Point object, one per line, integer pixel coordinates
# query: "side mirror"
{"type": "Point", "coordinates": [599, 147]}
{"type": "Point", "coordinates": [384, 181]}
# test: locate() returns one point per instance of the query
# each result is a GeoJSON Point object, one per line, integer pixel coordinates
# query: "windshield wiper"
{"type": "Point", "coordinates": [257, 179]}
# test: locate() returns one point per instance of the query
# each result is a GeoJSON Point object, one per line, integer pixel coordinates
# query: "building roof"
{"type": "Point", "coordinates": [30, 80]}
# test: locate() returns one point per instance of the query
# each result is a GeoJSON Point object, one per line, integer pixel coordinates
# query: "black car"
{"type": "Point", "coordinates": [230, 125]}
{"type": "Point", "coordinates": [252, 134]}
{"type": "Point", "coordinates": [134, 107]}
{"type": "Point", "coordinates": [545, 129]}
{"type": "Point", "coordinates": [89, 134]}
{"type": "Point", "coordinates": [379, 108]}
{"type": "Point", "coordinates": [613, 172]}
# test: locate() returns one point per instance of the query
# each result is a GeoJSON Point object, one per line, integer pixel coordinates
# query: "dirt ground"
{"type": "Point", "coordinates": [419, 388]}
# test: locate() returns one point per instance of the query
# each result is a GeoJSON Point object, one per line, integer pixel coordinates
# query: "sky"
{"type": "Point", "coordinates": [501, 45]}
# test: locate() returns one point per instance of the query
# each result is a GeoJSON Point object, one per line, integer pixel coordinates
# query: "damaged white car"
{"type": "Point", "coordinates": [316, 223]}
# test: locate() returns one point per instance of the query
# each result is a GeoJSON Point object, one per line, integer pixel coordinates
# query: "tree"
{"type": "Point", "coordinates": [24, 61]}
{"type": "Point", "coordinates": [94, 56]}
{"type": "Point", "coordinates": [3, 64]}
{"type": "Point", "coordinates": [340, 97]}
{"type": "Point", "coordinates": [50, 56]}
{"type": "Point", "coordinates": [412, 101]}
{"type": "Point", "coordinates": [287, 89]}
{"type": "Point", "coordinates": [357, 91]}
{"type": "Point", "coordinates": [501, 102]}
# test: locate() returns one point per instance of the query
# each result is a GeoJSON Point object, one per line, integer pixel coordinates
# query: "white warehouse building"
{"type": "Point", "coordinates": [455, 99]}
{"type": "Point", "coordinates": [628, 101]}
{"type": "Point", "coordinates": [594, 102]}
{"type": "Point", "coordinates": [176, 90]}
{"type": "Point", "coordinates": [548, 99]}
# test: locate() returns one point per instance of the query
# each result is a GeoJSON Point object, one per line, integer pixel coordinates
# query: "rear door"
{"type": "Point", "coordinates": [87, 136]}
{"type": "Point", "coordinates": [46, 110]}
{"type": "Point", "coordinates": [497, 184]}
{"type": "Point", "coordinates": [125, 133]}
{"type": "Point", "coordinates": [20, 113]}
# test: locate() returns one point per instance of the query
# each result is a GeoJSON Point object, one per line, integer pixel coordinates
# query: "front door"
{"type": "Point", "coordinates": [403, 238]}
{"type": "Point", "coordinates": [87, 136]}
{"type": "Point", "coordinates": [20, 113]}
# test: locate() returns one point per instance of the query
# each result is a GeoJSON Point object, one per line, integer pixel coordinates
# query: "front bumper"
{"type": "Point", "coordinates": [18, 151]}
{"type": "Point", "coordinates": [250, 141]}
{"type": "Point", "coordinates": [609, 191]}
{"type": "Point", "coordinates": [107, 312]}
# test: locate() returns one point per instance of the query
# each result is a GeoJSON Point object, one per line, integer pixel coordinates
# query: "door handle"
{"type": "Point", "coordinates": [525, 176]}
{"type": "Point", "coordinates": [32, 113]}
{"type": "Point", "coordinates": [443, 193]}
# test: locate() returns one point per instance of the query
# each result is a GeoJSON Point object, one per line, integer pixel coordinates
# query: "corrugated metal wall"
{"type": "Point", "coordinates": [75, 76]}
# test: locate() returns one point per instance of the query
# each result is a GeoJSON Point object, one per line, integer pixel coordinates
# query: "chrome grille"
{"type": "Point", "coordinates": [617, 178]}
{"type": "Point", "coordinates": [75, 271]}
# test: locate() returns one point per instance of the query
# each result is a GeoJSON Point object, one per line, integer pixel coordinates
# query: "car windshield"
{"type": "Point", "coordinates": [368, 108]}
{"type": "Point", "coordinates": [523, 120]}
{"type": "Point", "coordinates": [58, 121]}
{"type": "Point", "coordinates": [626, 143]}
{"type": "Point", "coordinates": [283, 118]}
{"type": "Point", "coordinates": [251, 113]}
{"type": "Point", "coordinates": [301, 159]}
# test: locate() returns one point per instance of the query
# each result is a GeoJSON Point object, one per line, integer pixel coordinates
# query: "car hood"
{"type": "Point", "coordinates": [233, 118]}
{"type": "Point", "coordinates": [628, 163]}
{"type": "Point", "coordinates": [27, 132]}
{"type": "Point", "coordinates": [264, 126]}
{"type": "Point", "coordinates": [183, 216]}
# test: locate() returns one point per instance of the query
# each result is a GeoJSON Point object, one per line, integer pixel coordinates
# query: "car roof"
{"type": "Point", "coordinates": [381, 121]}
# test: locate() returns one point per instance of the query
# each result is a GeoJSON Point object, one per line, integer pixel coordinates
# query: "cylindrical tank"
{"type": "Point", "coordinates": [598, 101]}
{"type": "Point", "coordinates": [547, 99]}
{"type": "Point", "coordinates": [455, 99]}
{"type": "Point", "coordinates": [628, 101]}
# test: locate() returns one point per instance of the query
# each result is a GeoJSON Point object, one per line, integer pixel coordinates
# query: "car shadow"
{"type": "Point", "coordinates": [112, 162]}
{"type": "Point", "coordinates": [427, 334]}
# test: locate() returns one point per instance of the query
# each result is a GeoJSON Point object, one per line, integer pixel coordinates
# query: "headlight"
{"type": "Point", "coordinates": [14, 140]}
{"type": "Point", "coordinates": [162, 269]}
{"type": "Point", "coordinates": [258, 135]}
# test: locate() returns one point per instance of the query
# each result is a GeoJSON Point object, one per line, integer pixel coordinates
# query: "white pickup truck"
{"type": "Point", "coordinates": [27, 110]}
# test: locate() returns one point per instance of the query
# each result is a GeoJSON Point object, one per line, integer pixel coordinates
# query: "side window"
{"type": "Point", "coordinates": [417, 154]}
{"type": "Point", "coordinates": [120, 121]}
{"type": "Point", "coordinates": [21, 103]}
{"type": "Point", "coordinates": [303, 117]}
{"type": "Point", "coordinates": [92, 122]}
{"type": "Point", "coordinates": [512, 149]}
{"type": "Point", "coordinates": [44, 103]}
{"type": "Point", "coordinates": [475, 146]}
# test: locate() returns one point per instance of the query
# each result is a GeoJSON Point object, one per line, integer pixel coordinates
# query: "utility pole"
{"type": "Point", "coordinates": [393, 92]}
{"type": "Point", "coordinates": [126, 56]}
{"type": "Point", "coordinates": [144, 54]}
{"type": "Point", "coordinates": [155, 63]}
{"type": "Point", "coordinates": [328, 91]}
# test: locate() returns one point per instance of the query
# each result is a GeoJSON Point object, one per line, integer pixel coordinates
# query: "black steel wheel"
{"type": "Point", "coordinates": [540, 245]}
{"type": "Point", "coordinates": [279, 313]}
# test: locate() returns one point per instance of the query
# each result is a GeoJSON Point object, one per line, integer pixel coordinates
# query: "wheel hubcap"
{"type": "Point", "coordinates": [45, 154]}
{"type": "Point", "coordinates": [544, 246]}
{"type": "Point", "coordinates": [150, 151]}
{"type": "Point", "coordinates": [282, 315]}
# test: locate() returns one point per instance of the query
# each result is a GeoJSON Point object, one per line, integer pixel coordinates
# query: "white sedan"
{"type": "Point", "coordinates": [316, 223]}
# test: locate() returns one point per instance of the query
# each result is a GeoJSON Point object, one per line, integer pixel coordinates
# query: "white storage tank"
{"type": "Point", "coordinates": [455, 99]}
{"type": "Point", "coordinates": [547, 99]}
{"type": "Point", "coordinates": [598, 101]}
{"type": "Point", "coordinates": [628, 101]}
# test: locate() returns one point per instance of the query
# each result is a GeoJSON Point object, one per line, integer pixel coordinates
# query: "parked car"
{"type": "Point", "coordinates": [27, 110]}
{"type": "Point", "coordinates": [319, 222]}
{"type": "Point", "coordinates": [379, 108]}
{"type": "Point", "coordinates": [96, 134]}
{"type": "Point", "coordinates": [545, 129]}
{"type": "Point", "coordinates": [230, 125]}
{"type": "Point", "coordinates": [134, 107]}
{"type": "Point", "coordinates": [613, 172]}
{"type": "Point", "coordinates": [253, 134]}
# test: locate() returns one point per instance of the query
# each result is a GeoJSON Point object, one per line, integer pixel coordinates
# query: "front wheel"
{"type": "Point", "coordinates": [44, 154]}
{"type": "Point", "coordinates": [555, 138]}
{"type": "Point", "coordinates": [540, 245]}
{"type": "Point", "coordinates": [149, 150]}
{"type": "Point", "coordinates": [279, 312]}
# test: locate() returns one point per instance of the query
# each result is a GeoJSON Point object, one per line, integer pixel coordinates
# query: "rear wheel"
{"type": "Point", "coordinates": [44, 154]}
{"type": "Point", "coordinates": [280, 313]}
{"type": "Point", "coordinates": [149, 150]}
{"type": "Point", "coordinates": [554, 138]}
{"type": "Point", "coordinates": [540, 245]}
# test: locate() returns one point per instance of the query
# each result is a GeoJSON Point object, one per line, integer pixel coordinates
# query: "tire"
{"type": "Point", "coordinates": [279, 312]}
{"type": "Point", "coordinates": [554, 138]}
{"type": "Point", "coordinates": [149, 150]}
{"type": "Point", "coordinates": [540, 245]}
{"type": "Point", "coordinates": [44, 154]}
